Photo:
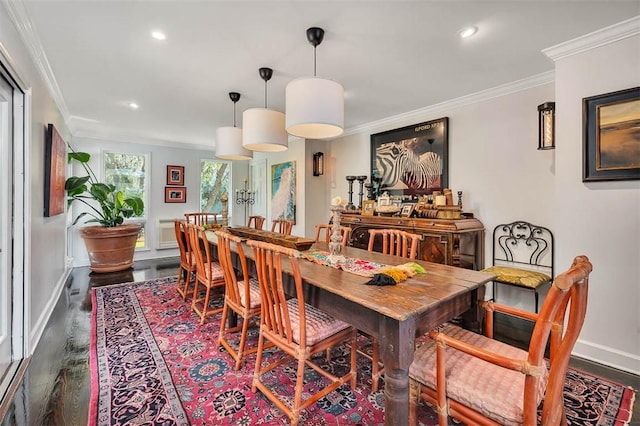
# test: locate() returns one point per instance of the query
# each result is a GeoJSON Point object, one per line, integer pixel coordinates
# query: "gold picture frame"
{"type": "Point", "coordinates": [368, 207]}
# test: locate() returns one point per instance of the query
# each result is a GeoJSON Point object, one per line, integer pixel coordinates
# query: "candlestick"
{"type": "Point", "coordinates": [361, 180]}
{"type": "Point", "coordinates": [350, 205]}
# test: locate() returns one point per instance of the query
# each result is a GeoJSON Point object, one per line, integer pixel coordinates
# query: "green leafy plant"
{"type": "Point", "coordinates": [112, 207]}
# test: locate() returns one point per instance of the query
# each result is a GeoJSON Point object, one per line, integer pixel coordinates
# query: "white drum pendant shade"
{"type": "Point", "coordinates": [229, 144]}
{"type": "Point", "coordinates": [263, 130]}
{"type": "Point", "coordinates": [315, 108]}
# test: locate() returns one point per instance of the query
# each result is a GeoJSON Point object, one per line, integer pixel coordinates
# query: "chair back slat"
{"type": "Point", "coordinates": [202, 218]}
{"type": "Point", "coordinates": [282, 226]}
{"type": "Point", "coordinates": [255, 222]}
{"type": "Point", "coordinates": [275, 310]}
{"type": "Point", "coordinates": [183, 241]}
{"type": "Point", "coordinates": [201, 250]}
{"type": "Point", "coordinates": [395, 242]}
{"type": "Point", "coordinates": [327, 229]}
{"type": "Point", "coordinates": [232, 291]}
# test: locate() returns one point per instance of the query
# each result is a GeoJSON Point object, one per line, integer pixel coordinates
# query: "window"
{"type": "Point", "coordinates": [215, 181]}
{"type": "Point", "coordinates": [128, 172]}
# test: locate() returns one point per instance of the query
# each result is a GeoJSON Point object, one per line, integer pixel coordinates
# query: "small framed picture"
{"type": "Point", "coordinates": [407, 209]}
{"type": "Point", "coordinates": [368, 207]}
{"type": "Point", "coordinates": [175, 175]}
{"type": "Point", "coordinates": [175, 194]}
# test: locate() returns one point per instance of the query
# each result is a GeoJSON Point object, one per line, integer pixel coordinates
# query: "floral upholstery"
{"type": "Point", "coordinates": [214, 271]}
{"type": "Point", "coordinates": [494, 391]}
{"type": "Point", "coordinates": [520, 277]}
{"type": "Point", "coordinates": [320, 325]}
{"type": "Point", "coordinates": [254, 292]}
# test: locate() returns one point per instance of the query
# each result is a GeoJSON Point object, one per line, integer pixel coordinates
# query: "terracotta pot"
{"type": "Point", "coordinates": [111, 249]}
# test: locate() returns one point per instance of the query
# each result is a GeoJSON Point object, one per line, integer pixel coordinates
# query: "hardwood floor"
{"type": "Point", "coordinates": [57, 384]}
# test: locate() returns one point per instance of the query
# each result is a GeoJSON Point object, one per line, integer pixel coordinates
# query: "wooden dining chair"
{"type": "Point", "coordinates": [478, 380]}
{"type": "Point", "coordinates": [240, 296]}
{"type": "Point", "coordinates": [326, 229]}
{"type": "Point", "coordinates": [282, 226]}
{"type": "Point", "coordinates": [202, 218]}
{"type": "Point", "coordinates": [295, 327]}
{"type": "Point", "coordinates": [255, 222]}
{"type": "Point", "coordinates": [187, 270]}
{"type": "Point", "coordinates": [209, 274]}
{"type": "Point", "coordinates": [396, 243]}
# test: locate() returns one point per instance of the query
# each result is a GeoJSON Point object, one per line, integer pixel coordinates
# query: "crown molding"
{"type": "Point", "coordinates": [446, 106]}
{"type": "Point", "coordinates": [20, 18]}
{"type": "Point", "coordinates": [110, 135]}
{"type": "Point", "coordinates": [610, 34]}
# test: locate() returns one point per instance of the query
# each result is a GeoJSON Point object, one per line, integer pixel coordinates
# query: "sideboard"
{"type": "Point", "coordinates": [456, 242]}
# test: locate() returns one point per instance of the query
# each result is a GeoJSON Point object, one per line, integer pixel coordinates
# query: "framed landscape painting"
{"type": "Point", "coordinates": [411, 161]}
{"type": "Point", "coordinates": [611, 136]}
{"type": "Point", "coordinates": [283, 191]}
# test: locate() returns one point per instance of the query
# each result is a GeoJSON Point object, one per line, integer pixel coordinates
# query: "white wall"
{"type": "Point", "coordinates": [47, 269]}
{"type": "Point", "coordinates": [599, 219]}
{"type": "Point", "coordinates": [156, 209]}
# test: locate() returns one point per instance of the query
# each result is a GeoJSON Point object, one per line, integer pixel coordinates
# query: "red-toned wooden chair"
{"type": "Point", "coordinates": [187, 271]}
{"type": "Point", "coordinates": [255, 222]}
{"type": "Point", "coordinates": [241, 297]}
{"type": "Point", "coordinates": [202, 218]}
{"type": "Point", "coordinates": [298, 329]}
{"type": "Point", "coordinates": [478, 380]}
{"type": "Point", "coordinates": [396, 243]}
{"type": "Point", "coordinates": [345, 232]}
{"type": "Point", "coordinates": [283, 226]}
{"type": "Point", "coordinates": [209, 273]}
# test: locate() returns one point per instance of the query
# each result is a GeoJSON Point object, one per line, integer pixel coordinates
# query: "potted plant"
{"type": "Point", "coordinates": [111, 243]}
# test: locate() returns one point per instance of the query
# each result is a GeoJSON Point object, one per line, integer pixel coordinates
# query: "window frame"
{"type": "Point", "coordinates": [229, 189]}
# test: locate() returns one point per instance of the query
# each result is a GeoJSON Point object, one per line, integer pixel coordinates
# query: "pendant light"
{"type": "Point", "coordinates": [314, 106]}
{"type": "Point", "coordinates": [263, 127]}
{"type": "Point", "coordinates": [229, 139]}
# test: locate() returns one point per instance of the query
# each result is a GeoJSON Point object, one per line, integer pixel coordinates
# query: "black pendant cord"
{"type": "Point", "coordinates": [265, 94]}
{"type": "Point", "coordinates": [234, 114]}
{"type": "Point", "coordinates": [314, 61]}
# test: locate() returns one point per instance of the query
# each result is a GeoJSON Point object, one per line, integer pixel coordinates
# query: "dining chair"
{"type": "Point", "coordinates": [187, 270]}
{"type": "Point", "coordinates": [522, 257]}
{"type": "Point", "coordinates": [396, 243]}
{"type": "Point", "coordinates": [255, 222]}
{"type": "Point", "coordinates": [282, 226]}
{"type": "Point", "coordinates": [296, 328]}
{"type": "Point", "coordinates": [476, 379]}
{"type": "Point", "coordinates": [202, 218]}
{"type": "Point", "coordinates": [209, 273]}
{"type": "Point", "coordinates": [240, 296]}
{"type": "Point", "coordinates": [326, 229]}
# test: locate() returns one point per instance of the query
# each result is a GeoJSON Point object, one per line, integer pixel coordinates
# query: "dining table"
{"type": "Point", "coordinates": [394, 314]}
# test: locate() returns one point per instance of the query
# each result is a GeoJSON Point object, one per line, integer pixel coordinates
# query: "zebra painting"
{"type": "Point", "coordinates": [401, 167]}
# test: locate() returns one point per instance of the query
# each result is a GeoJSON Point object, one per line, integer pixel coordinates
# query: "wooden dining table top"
{"type": "Point", "coordinates": [399, 302]}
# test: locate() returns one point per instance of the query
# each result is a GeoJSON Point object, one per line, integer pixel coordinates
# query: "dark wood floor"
{"type": "Point", "coordinates": [56, 385]}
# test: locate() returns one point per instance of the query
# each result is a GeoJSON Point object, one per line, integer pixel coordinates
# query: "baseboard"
{"type": "Point", "coordinates": [610, 357]}
{"type": "Point", "coordinates": [43, 319]}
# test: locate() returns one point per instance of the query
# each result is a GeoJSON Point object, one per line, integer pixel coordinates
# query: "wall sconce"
{"type": "Point", "coordinates": [318, 164]}
{"type": "Point", "coordinates": [547, 125]}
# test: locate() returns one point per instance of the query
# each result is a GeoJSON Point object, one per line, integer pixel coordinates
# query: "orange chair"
{"type": "Point", "coordinates": [282, 226]}
{"type": "Point", "coordinates": [255, 222]}
{"type": "Point", "coordinates": [395, 243]}
{"type": "Point", "coordinates": [345, 232]}
{"type": "Point", "coordinates": [209, 273]}
{"type": "Point", "coordinates": [202, 218]}
{"type": "Point", "coordinates": [478, 380]}
{"type": "Point", "coordinates": [298, 329]}
{"type": "Point", "coordinates": [187, 271]}
{"type": "Point", "coordinates": [241, 297]}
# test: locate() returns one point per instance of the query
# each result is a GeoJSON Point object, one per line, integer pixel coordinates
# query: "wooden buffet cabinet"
{"type": "Point", "coordinates": [456, 242]}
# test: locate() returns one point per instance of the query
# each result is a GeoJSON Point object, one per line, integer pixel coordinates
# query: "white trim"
{"type": "Point", "coordinates": [26, 301]}
{"type": "Point", "coordinates": [20, 17]}
{"type": "Point", "coordinates": [110, 135]}
{"type": "Point", "coordinates": [605, 355]}
{"type": "Point", "coordinates": [610, 34]}
{"type": "Point", "coordinates": [443, 107]}
{"type": "Point", "coordinates": [43, 319]}
{"type": "Point", "coordinates": [9, 64]}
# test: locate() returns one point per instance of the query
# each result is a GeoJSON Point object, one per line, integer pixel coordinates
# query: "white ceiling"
{"type": "Point", "coordinates": [392, 57]}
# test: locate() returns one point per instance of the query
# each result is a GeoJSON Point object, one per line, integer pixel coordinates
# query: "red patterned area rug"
{"type": "Point", "coordinates": [152, 363]}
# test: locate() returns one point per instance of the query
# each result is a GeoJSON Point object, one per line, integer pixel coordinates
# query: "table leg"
{"type": "Point", "coordinates": [473, 318]}
{"type": "Point", "coordinates": [396, 349]}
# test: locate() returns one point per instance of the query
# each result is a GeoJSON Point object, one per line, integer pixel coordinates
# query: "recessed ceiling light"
{"type": "Point", "coordinates": [133, 105]}
{"type": "Point", "coordinates": [158, 35]}
{"type": "Point", "coordinates": [468, 31]}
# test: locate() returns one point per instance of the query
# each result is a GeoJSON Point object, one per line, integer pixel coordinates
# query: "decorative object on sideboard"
{"type": "Point", "coordinates": [264, 127]}
{"type": "Point", "coordinates": [175, 175]}
{"type": "Point", "coordinates": [611, 124]}
{"type": "Point", "coordinates": [361, 180]}
{"type": "Point", "coordinates": [547, 125]}
{"type": "Point", "coordinates": [460, 199]}
{"type": "Point", "coordinates": [314, 106]}
{"type": "Point", "coordinates": [421, 153]}
{"type": "Point", "coordinates": [229, 139]}
{"type": "Point", "coordinates": [318, 164]}
{"type": "Point", "coordinates": [350, 180]}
